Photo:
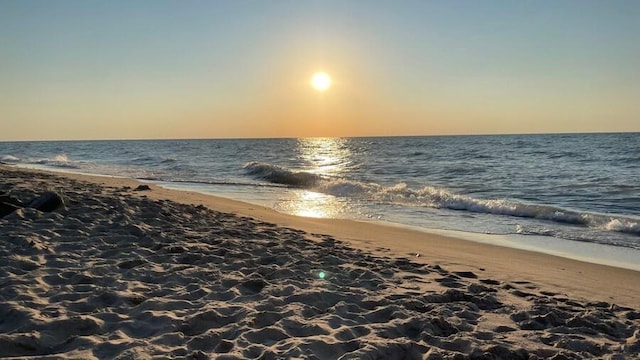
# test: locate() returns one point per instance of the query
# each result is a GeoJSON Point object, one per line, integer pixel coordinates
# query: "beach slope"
{"type": "Point", "coordinates": [125, 272]}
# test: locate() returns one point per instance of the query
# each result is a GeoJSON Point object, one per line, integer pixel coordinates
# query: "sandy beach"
{"type": "Point", "coordinates": [131, 273]}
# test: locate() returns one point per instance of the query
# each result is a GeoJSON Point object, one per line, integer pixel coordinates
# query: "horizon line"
{"type": "Point", "coordinates": [330, 137]}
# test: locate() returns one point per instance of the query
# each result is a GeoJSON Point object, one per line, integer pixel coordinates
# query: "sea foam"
{"type": "Point", "coordinates": [60, 160]}
{"type": "Point", "coordinates": [440, 198]}
{"type": "Point", "coordinates": [9, 158]}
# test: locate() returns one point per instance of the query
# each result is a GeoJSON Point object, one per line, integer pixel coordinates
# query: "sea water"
{"type": "Point", "coordinates": [570, 194]}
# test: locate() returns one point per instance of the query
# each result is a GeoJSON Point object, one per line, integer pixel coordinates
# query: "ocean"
{"type": "Point", "coordinates": [574, 195]}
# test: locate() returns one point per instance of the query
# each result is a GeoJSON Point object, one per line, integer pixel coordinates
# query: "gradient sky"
{"type": "Point", "coordinates": [215, 69]}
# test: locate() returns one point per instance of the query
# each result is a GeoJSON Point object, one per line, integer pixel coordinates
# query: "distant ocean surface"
{"type": "Point", "coordinates": [547, 190]}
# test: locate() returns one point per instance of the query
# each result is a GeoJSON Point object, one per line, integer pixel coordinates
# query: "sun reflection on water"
{"type": "Point", "coordinates": [329, 158]}
{"type": "Point", "coordinates": [316, 205]}
{"type": "Point", "coordinates": [324, 156]}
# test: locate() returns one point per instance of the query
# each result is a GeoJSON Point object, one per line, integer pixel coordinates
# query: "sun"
{"type": "Point", "coordinates": [321, 81]}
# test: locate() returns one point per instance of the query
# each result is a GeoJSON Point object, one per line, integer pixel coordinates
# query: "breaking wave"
{"type": "Point", "coordinates": [439, 198]}
{"type": "Point", "coordinates": [9, 158]}
{"type": "Point", "coordinates": [60, 161]}
{"type": "Point", "coordinates": [280, 175]}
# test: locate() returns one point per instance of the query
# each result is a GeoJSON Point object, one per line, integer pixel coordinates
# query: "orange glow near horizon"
{"type": "Point", "coordinates": [317, 72]}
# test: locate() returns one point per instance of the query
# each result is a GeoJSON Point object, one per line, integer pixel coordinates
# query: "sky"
{"type": "Point", "coordinates": [87, 69]}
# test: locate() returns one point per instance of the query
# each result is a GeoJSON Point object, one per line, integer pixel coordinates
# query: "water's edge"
{"type": "Point", "coordinates": [594, 253]}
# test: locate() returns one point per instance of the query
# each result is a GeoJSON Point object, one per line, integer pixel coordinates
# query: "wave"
{"type": "Point", "coordinates": [57, 161]}
{"type": "Point", "coordinates": [623, 226]}
{"type": "Point", "coordinates": [280, 175]}
{"type": "Point", "coordinates": [443, 199]}
{"type": "Point", "coordinates": [438, 198]}
{"type": "Point", "coordinates": [60, 160]}
{"type": "Point", "coordinates": [145, 159]}
{"type": "Point", "coordinates": [9, 158]}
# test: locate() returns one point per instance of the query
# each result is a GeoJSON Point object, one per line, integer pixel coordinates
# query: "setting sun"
{"type": "Point", "coordinates": [321, 81]}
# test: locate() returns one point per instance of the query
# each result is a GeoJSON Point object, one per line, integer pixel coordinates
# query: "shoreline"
{"type": "Point", "coordinates": [569, 249]}
{"type": "Point", "coordinates": [128, 272]}
{"type": "Point", "coordinates": [595, 253]}
{"type": "Point", "coordinates": [405, 241]}
{"type": "Point", "coordinates": [591, 252]}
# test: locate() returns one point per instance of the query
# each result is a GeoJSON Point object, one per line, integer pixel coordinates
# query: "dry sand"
{"type": "Point", "coordinates": [120, 273]}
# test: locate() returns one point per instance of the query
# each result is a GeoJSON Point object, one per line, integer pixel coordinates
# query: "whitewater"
{"type": "Point", "coordinates": [538, 191]}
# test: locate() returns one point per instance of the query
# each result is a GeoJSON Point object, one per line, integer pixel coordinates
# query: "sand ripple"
{"type": "Point", "coordinates": [117, 275]}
